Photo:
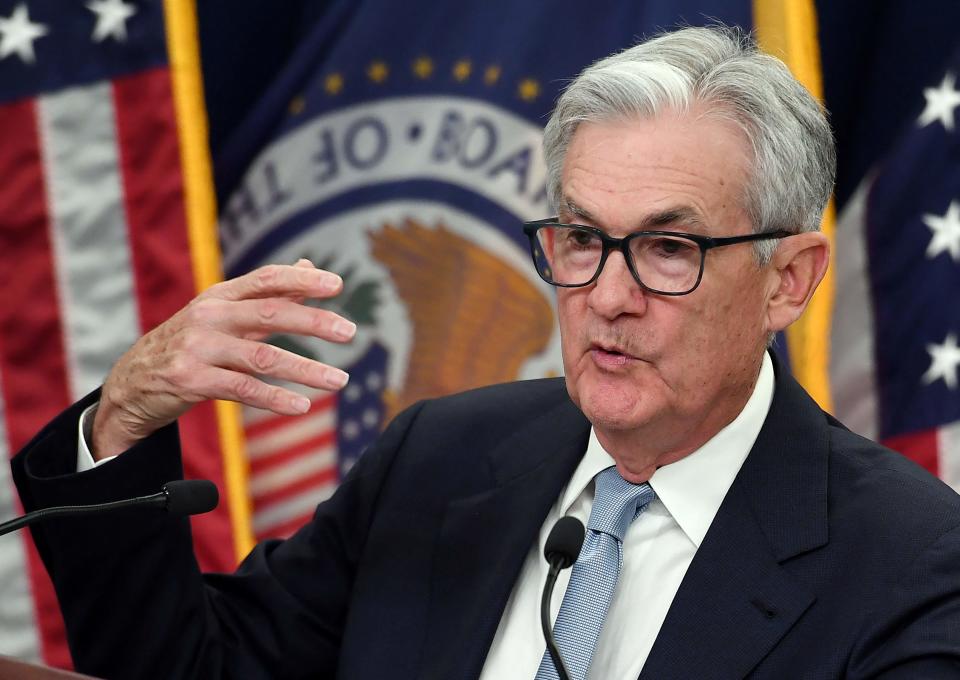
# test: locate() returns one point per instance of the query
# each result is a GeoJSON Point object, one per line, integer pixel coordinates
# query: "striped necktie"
{"type": "Point", "coordinates": [616, 504]}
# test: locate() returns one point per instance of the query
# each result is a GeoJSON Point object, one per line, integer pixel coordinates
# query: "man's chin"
{"type": "Point", "coordinates": [616, 401]}
{"type": "Point", "coordinates": [612, 409]}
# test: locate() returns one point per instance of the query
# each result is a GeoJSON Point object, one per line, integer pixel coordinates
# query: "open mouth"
{"type": "Point", "coordinates": [610, 356]}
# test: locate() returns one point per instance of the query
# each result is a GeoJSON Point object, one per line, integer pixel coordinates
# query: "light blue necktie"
{"type": "Point", "coordinates": [616, 504]}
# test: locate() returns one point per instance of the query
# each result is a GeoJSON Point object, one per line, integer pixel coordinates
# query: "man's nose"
{"type": "Point", "coordinates": [615, 291]}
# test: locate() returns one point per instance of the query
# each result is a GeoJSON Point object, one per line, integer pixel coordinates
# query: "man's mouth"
{"type": "Point", "coordinates": [610, 356]}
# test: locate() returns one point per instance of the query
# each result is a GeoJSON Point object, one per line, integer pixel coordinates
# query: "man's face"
{"type": "Point", "coordinates": [672, 369]}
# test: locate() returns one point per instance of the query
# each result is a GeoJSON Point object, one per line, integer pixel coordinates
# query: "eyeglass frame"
{"type": "Point", "coordinates": [609, 243]}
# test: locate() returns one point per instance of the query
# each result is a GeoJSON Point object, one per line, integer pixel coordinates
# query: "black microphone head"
{"type": "Point", "coordinates": [191, 496]}
{"type": "Point", "coordinates": [564, 542]}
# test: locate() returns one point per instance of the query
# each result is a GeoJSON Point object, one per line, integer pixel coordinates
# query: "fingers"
{"type": "Point", "coordinates": [274, 280]}
{"type": "Point", "coordinates": [262, 359]}
{"type": "Point", "coordinates": [222, 368]}
{"type": "Point", "coordinates": [259, 318]}
{"type": "Point", "coordinates": [208, 350]}
{"type": "Point", "coordinates": [221, 383]}
{"type": "Point", "coordinates": [302, 262]}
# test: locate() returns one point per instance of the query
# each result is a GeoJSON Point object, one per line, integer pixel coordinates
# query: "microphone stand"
{"type": "Point", "coordinates": [556, 565]}
{"type": "Point", "coordinates": [158, 499]}
{"type": "Point", "coordinates": [180, 497]}
{"type": "Point", "coordinates": [561, 550]}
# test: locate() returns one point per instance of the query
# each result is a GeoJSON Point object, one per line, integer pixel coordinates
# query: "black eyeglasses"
{"type": "Point", "coordinates": [662, 262]}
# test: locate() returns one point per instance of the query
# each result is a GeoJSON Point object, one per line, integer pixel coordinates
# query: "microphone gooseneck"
{"type": "Point", "coordinates": [182, 497]}
{"type": "Point", "coordinates": [561, 550]}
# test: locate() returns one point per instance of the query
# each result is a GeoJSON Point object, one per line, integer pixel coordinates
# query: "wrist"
{"type": "Point", "coordinates": [102, 434]}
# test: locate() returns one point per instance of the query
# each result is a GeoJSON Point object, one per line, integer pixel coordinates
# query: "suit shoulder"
{"type": "Point", "coordinates": [522, 398]}
{"type": "Point", "coordinates": [463, 443]}
{"type": "Point", "coordinates": [867, 471]}
{"type": "Point", "coordinates": [481, 418]}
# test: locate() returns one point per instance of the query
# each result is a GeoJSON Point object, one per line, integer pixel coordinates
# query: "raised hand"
{"type": "Point", "coordinates": [213, 349]}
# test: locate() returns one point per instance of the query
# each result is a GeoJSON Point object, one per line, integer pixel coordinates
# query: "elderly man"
{"type": "Point", "coordinates": [734, 529]}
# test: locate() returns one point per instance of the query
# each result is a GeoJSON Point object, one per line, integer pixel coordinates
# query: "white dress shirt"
{"type": "Point", "coordinates": [657, 550]}
{"type": "Point", "coordinates": [658, 547]}
{"type": "Point", "coordinates": [85, 459]}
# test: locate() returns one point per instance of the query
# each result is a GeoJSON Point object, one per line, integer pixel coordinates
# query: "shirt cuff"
{"type": "Point", "coordinates": [85, 459]}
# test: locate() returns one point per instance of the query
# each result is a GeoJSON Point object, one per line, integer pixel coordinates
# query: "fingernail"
{"type": "Point", "coordinates": [300, 404]}
{"type": "Point", "coordinates": [343, 329]}
{"type": "Point", "coordinates": [303, 262]}
{"type": "Point", "coordinates": [331, 282]}
{"type": "Point", "coordinates": [338, 378]}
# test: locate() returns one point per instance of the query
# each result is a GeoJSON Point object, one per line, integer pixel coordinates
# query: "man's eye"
{"type": "Point", "coordinates": [671, 246]}
{"type": "Point", "coordinates": [581, 239]}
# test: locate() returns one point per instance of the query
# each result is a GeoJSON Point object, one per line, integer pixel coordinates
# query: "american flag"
{"type": "Point", "coordinates": [297, 461]}
{"type": "Point", "coordinates": [94, 248]}
{"type": "Point", "coordinates": [896, 359]}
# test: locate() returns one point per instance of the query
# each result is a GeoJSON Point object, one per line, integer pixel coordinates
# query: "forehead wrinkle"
{"type": "Point", "coordinates": [680, 214]}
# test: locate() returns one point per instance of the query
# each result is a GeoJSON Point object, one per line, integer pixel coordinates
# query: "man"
{"type": "Point", "coordinates": [690, 174]}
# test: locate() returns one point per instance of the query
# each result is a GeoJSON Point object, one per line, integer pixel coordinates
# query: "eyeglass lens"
{"type": "Point", "coordinates": [571, 256]}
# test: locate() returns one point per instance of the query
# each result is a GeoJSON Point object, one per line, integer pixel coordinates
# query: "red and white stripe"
{"type": "Point", "coordinates": [94, 252]}
{"type": "Point", "coordinates": [938, 450]}
{"type": "Point", "coordinates": [33, 369]}
{"type": "Point", "coordinates": [88, 232]}
{"type": "Point", "coordinates": [20, 635]}
{"type": "Point", "coordinates": [293, 465]}
{"type": "Point", "coordinates": [948, 449]}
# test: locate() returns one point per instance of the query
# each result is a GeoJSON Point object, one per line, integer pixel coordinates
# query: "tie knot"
{"type": "Point", "coordinates": [617, 502]}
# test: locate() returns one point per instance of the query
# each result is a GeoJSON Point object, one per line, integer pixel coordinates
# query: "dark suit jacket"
{"type": "Point", "coordinates": [830, 556]}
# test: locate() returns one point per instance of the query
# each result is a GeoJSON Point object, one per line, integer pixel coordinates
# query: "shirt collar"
{"type": "Point", "coordinates": [692, 488]}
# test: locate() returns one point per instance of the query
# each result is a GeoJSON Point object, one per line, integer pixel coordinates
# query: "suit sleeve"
{"type": "Point", "coordinates": [132, 595]}
{"type": "Point", "coordinates": [917, 633]}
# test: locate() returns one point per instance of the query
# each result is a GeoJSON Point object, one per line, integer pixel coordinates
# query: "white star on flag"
{"type": "Point", "coordinates": [17, 35]}
{"type": "Point", "coordinates": [945, 232]}
{"type": "Point", "coordinates": [944, 361]}
{"type": "Point", "coordinates": [941, 101]}
{"type": "Point", "coordinates": [112, 18]}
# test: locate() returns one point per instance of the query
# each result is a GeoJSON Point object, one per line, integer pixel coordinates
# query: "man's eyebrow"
{"type": "Point", "coordinates": [573, 209]}
{"type": "Point", "coordinates": [662, 218]}
{"type": "Point", "coordinates": [681, 214]}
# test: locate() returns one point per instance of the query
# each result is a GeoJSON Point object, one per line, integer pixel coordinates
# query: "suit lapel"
{"type": "Point", "coordinates": [737, 600]}
{"type": "Point", "coordinates": [733, 606]}
{"type": "Point", "coordinates": [484, 539]}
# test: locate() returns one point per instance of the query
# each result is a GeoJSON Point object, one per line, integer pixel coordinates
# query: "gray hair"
{"type": "Point", "coordinates": [794, 160]}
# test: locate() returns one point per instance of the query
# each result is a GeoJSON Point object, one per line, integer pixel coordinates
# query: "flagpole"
{"type": "Point", "coordinates": [200, 203]}
{"type": "Point", "coordinates": [788, 29]}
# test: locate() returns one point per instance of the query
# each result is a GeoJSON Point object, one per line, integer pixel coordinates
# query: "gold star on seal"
{"type": "Point", "coordinates": [529, 89]}
{"type": "Point", "coordinates": [423, 67]}
{"type": "Point", "coordinates": [297, 105]}
{"type": "Point", "coordinates": [491, 75]}
{"type": "Point", "coordinates": [461, 70]}
{"type": "Point", "coordinates": [377, 71]}
{"type": "Point", "coordinates": [333, 83]}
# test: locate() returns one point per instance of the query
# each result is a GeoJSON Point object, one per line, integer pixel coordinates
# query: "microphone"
{"type": "Point", "coordinates": [561, 550]}
{"type": "Point", "coordinates": [180, 497]}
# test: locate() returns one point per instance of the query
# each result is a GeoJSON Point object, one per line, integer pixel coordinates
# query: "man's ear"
{"type": "Point", "coordinates": [797, 268]}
